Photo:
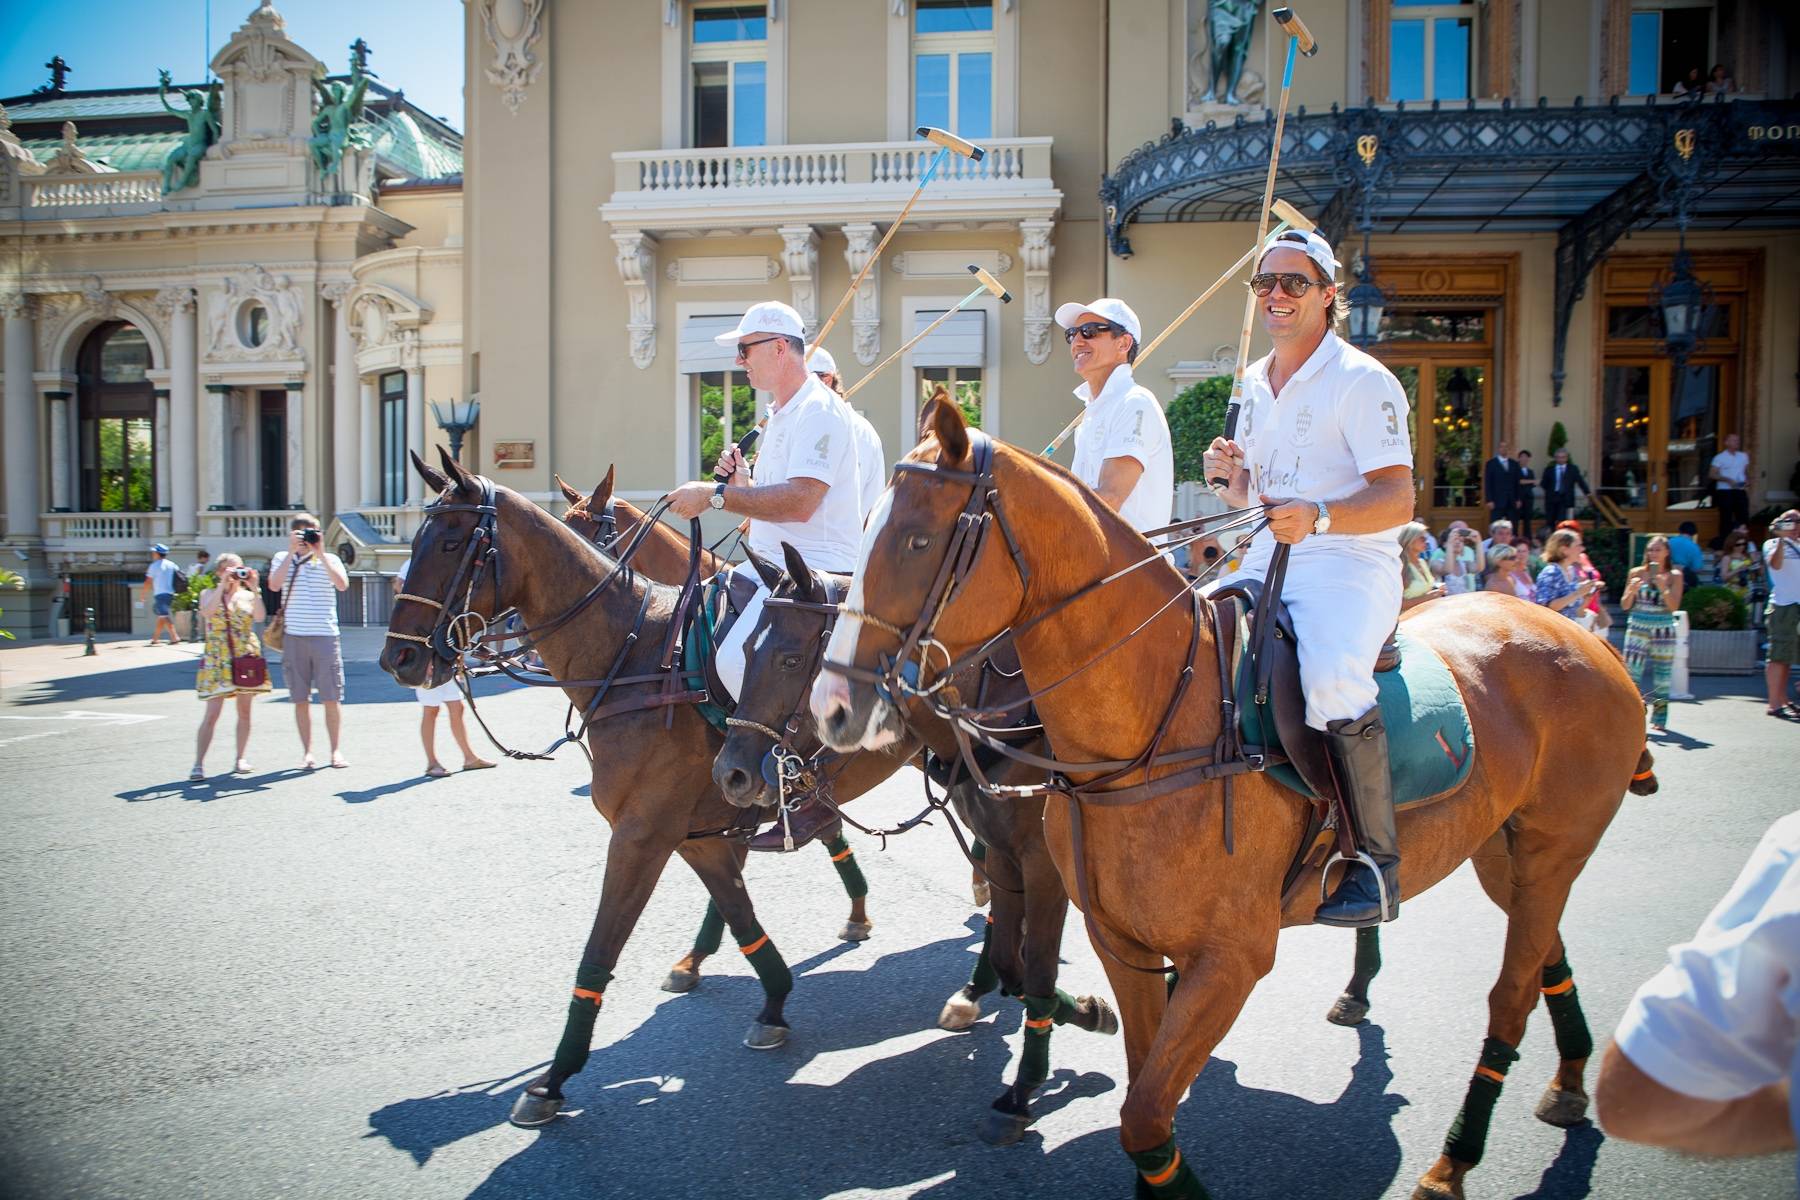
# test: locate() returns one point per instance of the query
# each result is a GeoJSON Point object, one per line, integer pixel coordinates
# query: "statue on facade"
{"type": "Point", "coordinates": [340, 106]}
{"type": "Point", "coordinates": [1229, 24]}
{"type": "Point", "coordinates": [181, 166]}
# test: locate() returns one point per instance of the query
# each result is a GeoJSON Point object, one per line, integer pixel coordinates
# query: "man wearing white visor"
{"type": "Point", "coordinates": [1122, 448]}
{"type": "Point", "coordinates": [1322, 444]}
{"type": "Point", "coordinates": [871, 466]}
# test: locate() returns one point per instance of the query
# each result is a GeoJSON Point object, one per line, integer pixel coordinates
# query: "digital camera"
{"type": "Point", "coordinates": [312, 537]}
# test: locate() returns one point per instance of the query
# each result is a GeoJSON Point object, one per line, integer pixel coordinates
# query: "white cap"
{"type": "Point", "coordinates": [771, 316]}
{"type": "Point", "coordinates": [1309, 244]}
{"type": "Point", "coordinates": [1117, 311]}
{"type": "Point", "coordinates": [820, 362]}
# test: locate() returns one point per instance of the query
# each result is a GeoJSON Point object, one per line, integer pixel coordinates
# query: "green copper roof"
{"type": "Point", "coordinates": [121, 152]}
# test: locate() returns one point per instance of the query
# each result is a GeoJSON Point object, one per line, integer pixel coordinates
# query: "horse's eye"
{"type": "Point", "coordinates": [791, 662]}
{"type": "Point", "coordinates": [452, 544]}
{"type": "Point", "coordinates": [918, 541]}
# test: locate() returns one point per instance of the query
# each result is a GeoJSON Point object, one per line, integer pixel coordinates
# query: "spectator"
{"type": "Point", "coordinates": [1720, 83]}
{"type": "Point", "coordinates": [1652, 595]}
{"type": "Point", "coordinates": [1685, 553]}
{"type": "Point", "coordinates": [444, 695]}
{"type": "Point", "coordinates": [1560, 587]}
{"type": "Point", "coordinates": [1739, 567]}
{"type": "Point", "coordinates": [1500, 533]}
{"type": "Point", "coordinates": [229, 611]}
{"type": "Point", "coordinates": [1690, 84]}
{"type": "Point", "coordinates": [1458, 562]}
{"type": "Point", "coordinates": [1562, 479]}
{"type": "Point", "coordinates": [1527, 505]}
{"type": "Point", "coordinates": [1730, 473]}
{"type": "Point", "coordinates": [1705, 1060]}
{"type": "Point", "coordinates": [1507, 573]}
{"type": "Point", "coordinates": [1782, 553]}
{"type": "Point", "coordinates": [1500, 483]}
{"type": "Point", "coordinates": [202, 564]}
{"type": "Point", "coordinates": [1599, 620]}
{"type": "Point", "coordinates": [310, 654]}
{"type": "Point", "coordinates": [1417, 583]}
{"type": "Point", "coordinates": [162, 580]}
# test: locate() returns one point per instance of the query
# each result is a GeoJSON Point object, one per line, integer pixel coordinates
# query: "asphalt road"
{"type": "Point", "coordinates": [332, 984]}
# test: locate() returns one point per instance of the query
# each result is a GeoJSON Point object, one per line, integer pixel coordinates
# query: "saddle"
{"type": "Point", "coordinates": [722, 600]}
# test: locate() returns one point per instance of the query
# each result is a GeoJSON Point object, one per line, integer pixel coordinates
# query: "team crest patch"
{"type": "Point", "coordinates": [1303, 423]}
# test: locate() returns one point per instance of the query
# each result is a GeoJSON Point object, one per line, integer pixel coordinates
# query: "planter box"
{"type": "Point", "coordinates": [1723, 651]}
{"type": "Point", "coordinates": [184, 624]}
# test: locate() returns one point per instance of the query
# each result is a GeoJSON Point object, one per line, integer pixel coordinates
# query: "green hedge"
{"type": "Point", "coordinates": [1714, 606]}
{"type": "Point", "coordinates": [191, 598]}
{"type": "Point", "coordinates": [1197, 416]}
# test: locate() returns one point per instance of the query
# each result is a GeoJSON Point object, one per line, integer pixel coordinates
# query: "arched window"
{"type": "Point", "coordinates": [117, 414]}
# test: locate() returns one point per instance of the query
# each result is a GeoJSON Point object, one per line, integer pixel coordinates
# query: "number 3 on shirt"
{"type": "Point", "coordinates": [1393, 417]}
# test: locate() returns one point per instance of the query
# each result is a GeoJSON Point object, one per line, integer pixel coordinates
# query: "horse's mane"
{"type": "Point", "coordinates": [570, 543]}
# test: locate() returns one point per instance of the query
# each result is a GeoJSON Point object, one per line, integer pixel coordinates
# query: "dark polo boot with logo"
{"type": "Point", "coordinates": [1359, 760]}
{"type": "Point", "coordinates": [804, 823]}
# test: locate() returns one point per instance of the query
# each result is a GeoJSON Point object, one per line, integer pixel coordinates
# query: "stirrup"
{"type": "Point", "coordinates": [1387, 907]}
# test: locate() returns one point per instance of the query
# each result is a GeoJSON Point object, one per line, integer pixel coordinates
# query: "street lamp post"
{"type": "Point", "coordinates": [1683, 302]}
{"type": "Point", "coordinates": [456, 424]}
{"type": "Point", "coordinates": [1367, 302]}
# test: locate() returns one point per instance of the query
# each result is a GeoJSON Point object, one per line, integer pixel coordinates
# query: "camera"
{"type": "Point", "coordinates": [312, 537]}
{"type": "Point", "coordinates": [240, 572]}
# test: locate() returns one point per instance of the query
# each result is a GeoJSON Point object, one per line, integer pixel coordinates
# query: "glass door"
{"type": "Point", "coordinates": [1446, 418]}
{"type": "Point", "coordinates": [1660, 430]}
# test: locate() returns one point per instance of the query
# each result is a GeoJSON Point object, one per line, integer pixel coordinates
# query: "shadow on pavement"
{"type": "Point", "coordinates": [388, 789]}
{"type": "Point", "coordinates": [364, 683]}
{"type": "Point", "coordinates": [222, 786]}
{"type": "Point", "coordinates": [1570, 1176]}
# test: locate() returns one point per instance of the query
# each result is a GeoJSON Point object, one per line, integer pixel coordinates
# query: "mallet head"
{"type": "Point", "coordinates": [991, 284]}
{"type": "Point", "coordinates": [1294, 27]}
{"type": "Point", "coordinates": [951, 142]}
{"type": "Point", "coordinates": [1294, 218]}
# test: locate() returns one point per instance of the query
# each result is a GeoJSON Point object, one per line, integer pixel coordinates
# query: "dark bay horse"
{"type": "Point", "coordinates": [1023, 939]}
{"type": "Point", "coordinates": [946, 567]}
{"type": "Point", "coordinates": [483, 549]}
{"type": "Point", "coordinates": [607, 521]}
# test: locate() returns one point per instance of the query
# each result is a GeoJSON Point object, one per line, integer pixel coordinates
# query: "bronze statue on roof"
{"type": "Point", "coordinates": [181, 166]}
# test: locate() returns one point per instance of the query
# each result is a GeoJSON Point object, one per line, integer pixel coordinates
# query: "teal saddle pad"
{"type": "Point", "coordinates": [1431, 746]}
{"type": "Point", "coordinates": [697, 646]}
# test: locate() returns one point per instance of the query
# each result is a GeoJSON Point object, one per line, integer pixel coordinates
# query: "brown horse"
{"type": "Point", "coordinates": [1528, 832]}
{"type": "Point", "coordinates": [606, 521]}
{"type": "Point", "coordinates": [483, 549]}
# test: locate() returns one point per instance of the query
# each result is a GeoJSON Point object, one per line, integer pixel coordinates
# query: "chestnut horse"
{"type": "Point", "coordinates": [944, 565]}
{"type": "Point", "coordinates": [609, 522]}
{"type": "Point", "coordinates": [483, 549]}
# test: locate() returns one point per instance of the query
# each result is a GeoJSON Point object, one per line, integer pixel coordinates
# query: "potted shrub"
{"type": "Point", "coordinates": [1720, 640]}
{"type": "Point", "coordinates": [184, 605]}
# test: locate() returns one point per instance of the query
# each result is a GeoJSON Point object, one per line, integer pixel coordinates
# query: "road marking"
{"type": "Point", "coordinates": [81, 715]}
{"type": "Point", "coordinates": [26, 737]}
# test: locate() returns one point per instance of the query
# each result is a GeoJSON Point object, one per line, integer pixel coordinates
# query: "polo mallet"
{"type": "Point", "coordinates": [1291, 218]}
{"type": "Point", "coordinates": [989, 285]}
{"type": "Point", "coordinates": [1299, 38]}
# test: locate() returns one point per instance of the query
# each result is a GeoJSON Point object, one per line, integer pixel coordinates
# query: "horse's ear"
{"type": "Point", "coordinates": [952, 432]}
{"type": "Point", "coordinates": [805, 585]}
{"type": "Point", "coordinates": [569, 493]}
{"type": "Point", "coordinates": [602, 491]}
{"type": "Point", "coordinates": [434, 478]}
{"type": "Point", "coordinates": [456, 471]}
{"type": "Point", "coordinates": [766, 571]}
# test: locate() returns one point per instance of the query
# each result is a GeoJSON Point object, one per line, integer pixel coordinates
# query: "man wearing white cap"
{"type": "Point", "coordinates": [1323, 446]}
{"type": "Point", "coordinates": [871, 466]}
{"type": "Point", "coordinates": [1122, 448]}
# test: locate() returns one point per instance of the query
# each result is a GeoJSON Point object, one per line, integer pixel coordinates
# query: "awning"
{"type": "Point", "coordinates": [959, 342]}
{"type": "Point", "coordinates": [698, 352]}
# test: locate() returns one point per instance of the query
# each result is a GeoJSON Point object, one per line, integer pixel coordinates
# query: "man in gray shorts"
{"type": "Point", "coordinates": [310, 654]}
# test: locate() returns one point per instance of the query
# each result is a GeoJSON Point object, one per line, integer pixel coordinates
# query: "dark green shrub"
{"type": "Point", "coordinates": [190, 599]}
{"type": "Point", "coordinates": [1713, 606]}
{"type": "Point", "coordinates": [1197, 416]}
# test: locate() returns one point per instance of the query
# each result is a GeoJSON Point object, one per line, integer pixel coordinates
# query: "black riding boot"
{"type": "Point", "coordinates": [1359, 760]}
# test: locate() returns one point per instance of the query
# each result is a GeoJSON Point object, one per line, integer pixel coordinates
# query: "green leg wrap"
{"type": "Point", "coordinates": [978, 850]}
{"type": "Point", "coordinates": [1067, 1009]}
{"type": "Point", "coordinates": [985, 979]}
{"type": "Point", "coordinates": [1034, 1063]}
{"type": "Point", "coordinates": [578, 1027]}
{"type": "Point", "coordinates": [1468, 1134]}
{"type": "Point", "coordinates": [844, 859]}
{"type": "Point", "coordinates": [1165, 1175]}
{"type": "Point", "coordinates": [766, 960]}
{"type": "Point", "coordinates": [1573, 1041]}
{"type": "Point", "coordinates": [1171, 977]}
{"type": "Point", "coordinates": [712, 929]}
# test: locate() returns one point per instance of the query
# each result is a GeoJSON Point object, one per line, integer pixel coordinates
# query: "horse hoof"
{"type": "Point", "coordinates": [1003, 1128]}
{"type": "Point", "coordinates": [981, 893]}
{"type": "Point", "coordinates": [1434, 1189]}
{"type": "Point", "coordinates": [855, 931]}
{"type": "Point", "coordinates": [680, 981]}
{"type": "Point", "coordinates": [1562, 1109]}
{"type": "Point", "coordinates": [1348, 1010]}
{"type": "Point", "coordinates": [765, 1037]}
{"type": "Point", "coordinates": [959, 1013]}
{"type": "Point", "coordinates": [1106, 1021]}
{"type": "Point", "coordinates": [531, 1112]}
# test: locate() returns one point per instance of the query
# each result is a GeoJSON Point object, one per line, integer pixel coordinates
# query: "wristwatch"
{"type": "Point", "coordinates": [1323, 523]}
{"type": "Point", "coordinates": [718, 498]}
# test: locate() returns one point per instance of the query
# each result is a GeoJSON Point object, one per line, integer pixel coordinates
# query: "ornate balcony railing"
{"type": "Point", "coordinates": [398, 522]}
{"type": "Point", "coordinates": [247, 525]}
{"type": "Point", "coordinates": [110, 190]}
{"type": "Point", "coordinates": [104, 530]}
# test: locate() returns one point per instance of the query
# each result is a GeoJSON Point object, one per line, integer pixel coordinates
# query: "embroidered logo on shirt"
{"type": "Point", "coordinates": [1303, 421]}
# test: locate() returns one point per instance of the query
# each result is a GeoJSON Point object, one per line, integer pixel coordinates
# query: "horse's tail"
{"type": "Point", "coordinates": [1643, 780]}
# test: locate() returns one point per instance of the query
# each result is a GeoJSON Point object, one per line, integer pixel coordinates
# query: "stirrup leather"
{"type": "Point", "coordinates": [1387, 906]}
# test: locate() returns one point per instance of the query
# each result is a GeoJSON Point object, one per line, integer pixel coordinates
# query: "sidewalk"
{"type": "Point", "coordinates": [37, 660]}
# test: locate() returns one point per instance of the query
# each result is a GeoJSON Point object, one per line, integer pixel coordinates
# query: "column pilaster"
{"type": "Point", "coordinates": [61, 463]}
{"type": "Point", "coordinates": [296, 444]}
{"type": "Point", "coordinates": [184, 413]}
{"type": "Point", "coordinates": [346, 418]}
{"type": "Point", "coordinates": [21, 415]}
{"type": "Point", "coordinates": [212, 459]}
{"type": "Point", "coordinates": [415, 432]}
{"type": "Point", "coordinates": [160, 439]}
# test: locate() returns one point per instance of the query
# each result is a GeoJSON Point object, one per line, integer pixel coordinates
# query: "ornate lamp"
{"type": "Point", "coordinates": [1367, 301]}
{"type": "Point", "coordinates": [1683, 301]}
{"type": "Point", "coordinates": [457, 423]}
{"type": "Point", "coordinates": [1460, 389]}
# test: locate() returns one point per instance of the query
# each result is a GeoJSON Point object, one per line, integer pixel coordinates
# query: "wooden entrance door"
{"type": "Point", "coordinates": [1660, 428]}
{"type": "Point", "coordinates": [1447, 416]}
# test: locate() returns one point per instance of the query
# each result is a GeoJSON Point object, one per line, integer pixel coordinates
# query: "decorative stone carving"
{"type": "Point", "coordinates": [261, 34]}
{"type": "Point", "coordinates": [226, 311]}
{"type": "Point", "coordinates": [17, 305]}
{"type": "Point", "coordinates": [637, 267]}
{"type": "Point", "coordinates": [865, 314]}
{"type": "Point", "coordinates": [171, 300]}
{"type": "Point", "coordinates": [1036, 250]}
{"type": "Point", "coordinates": [800, 256]}
{"type": "Point", "coordinates": [950, 264]}
{"type": "Point", "coordinates": [15, 155]}
{"type": "Point", "coordinates": [744, 268]}
{"type": "Point", "coordinates": [512, 28]}
{"type": "Point", "coordinates": [98, 300]}
{"type": "Point", "coordinates": [70, 158]}
{"type": "Point", "coordinates": [335, 290]}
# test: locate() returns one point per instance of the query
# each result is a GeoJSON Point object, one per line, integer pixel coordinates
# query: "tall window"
{"type": "Point", "coordinates": [393, 438]}
{"type": "Point", "coordinates": [1671, 45]}
{"type": "Point", "coordinates": [953, 66]}
{"type": "Point", "coordinates": [117, 413]}
{"type": "Point", "coordinates": [721, 423]}
{"type": "Point", "coordinates": [1431, 50]}
{"type": "Point", "coordinates": [729, 54]}
{"type": "Point", "coordinates": [962, 383]}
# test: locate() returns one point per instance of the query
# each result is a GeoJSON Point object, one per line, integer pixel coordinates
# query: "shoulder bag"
{"type": "Point", "coordinates": [275, 628]}
{"type": "Point", "coordinates": [247, 670]}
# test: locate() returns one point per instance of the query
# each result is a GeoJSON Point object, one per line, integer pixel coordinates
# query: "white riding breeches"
{"type": "Point", "coordinates": [1344, 605]}
{"type": "Point", "coordinates": [732, 655]}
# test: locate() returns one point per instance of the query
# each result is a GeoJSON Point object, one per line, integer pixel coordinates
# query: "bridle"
{"type": "Point", "coordinates": [454, 634]}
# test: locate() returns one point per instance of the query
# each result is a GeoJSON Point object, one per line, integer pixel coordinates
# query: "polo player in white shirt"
{"type": "Point", "coordinates": [1122, 448]}
{"type": "Point", "coordinates": [806, 491]}
{"type": "Point", "coordinates": [871, 464]}
{"type": "Point", "coordinates": [1323, 444]}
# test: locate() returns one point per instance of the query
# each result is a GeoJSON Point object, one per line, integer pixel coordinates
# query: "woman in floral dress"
{"type": "Point", "coordinates": [228, 612]}
{"type": "Point", "coordinates": [1652, 594]}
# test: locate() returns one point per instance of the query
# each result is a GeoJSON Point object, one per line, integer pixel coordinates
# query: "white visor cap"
{"type": "Point", "coordinates": [1309, 244]}
{"type": "Point", "coordinates": [1117, 311]}
{"type": "Point", "coordinates": [820, 362]}
{"type": "Point", "coordinates": [771, 316]}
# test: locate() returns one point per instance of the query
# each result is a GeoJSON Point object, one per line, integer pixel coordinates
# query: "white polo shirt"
{"type": "Point", "coordinates": [871, 463]}
{"type": "Point", "coordinates": [1125, 421]}
{"type": "Point", "coordinates": [1734, 466]}
{"type": "Point", "coordinates": [1342, 415]}
{"type": "Point", "coordinates": [812, 437]}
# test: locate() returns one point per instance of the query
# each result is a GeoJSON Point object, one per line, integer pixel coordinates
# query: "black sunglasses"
{"type": "Point", "coordinates": [1292, 282]}
{"type": "Point", "coordinates": [743, 348]}
{"type": "Point", "coordinates": [1090, 330]}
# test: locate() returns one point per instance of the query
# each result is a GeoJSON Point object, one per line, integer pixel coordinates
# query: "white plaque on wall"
{"type": "Point", "coordinates": [745, 268]}
{"type": "Point", "coordinates": [950, 264]}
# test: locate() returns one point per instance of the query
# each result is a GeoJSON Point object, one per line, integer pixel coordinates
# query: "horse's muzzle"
{"type": "Point", "coordinates": [737, 771]}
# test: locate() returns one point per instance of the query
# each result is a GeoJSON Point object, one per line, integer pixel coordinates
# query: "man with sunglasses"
{"type": "Point", "coordinates": [1122, 449]}
{"type": "Point", "coordinates": [806, 490]}
{"type": "Point", "coordinates": [1323, 446]}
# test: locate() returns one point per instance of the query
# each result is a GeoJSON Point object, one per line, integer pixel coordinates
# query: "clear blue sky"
{"type": "Point", "coordinates": [414, 44]}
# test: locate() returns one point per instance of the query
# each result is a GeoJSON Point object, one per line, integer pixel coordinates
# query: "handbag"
{"type": "Point", "coordinates": [275, 628]}
{"type": "Point", "coordinates": [247, 670]}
